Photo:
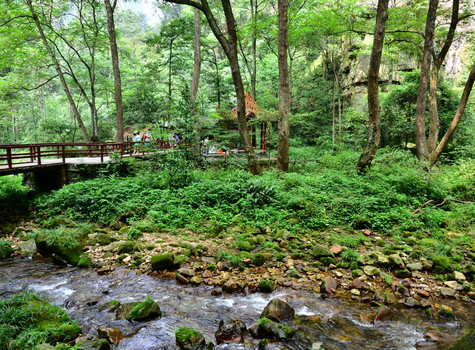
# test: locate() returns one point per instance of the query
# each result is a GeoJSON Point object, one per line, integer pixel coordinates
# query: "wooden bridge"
{"type": "Point", "coordinates": [16, 159]}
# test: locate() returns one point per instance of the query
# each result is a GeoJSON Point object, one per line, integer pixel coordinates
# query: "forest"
{"type": "Point", "coordinates": [317, 151]}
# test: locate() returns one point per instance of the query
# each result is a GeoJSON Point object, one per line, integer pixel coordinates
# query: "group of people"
{"type": "Point", "coordinates": [138, 139]}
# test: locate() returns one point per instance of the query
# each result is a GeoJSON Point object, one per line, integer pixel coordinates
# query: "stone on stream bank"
{"type": "Point", "coordinates": [230, 331]}
{"type": "Point", "coordinates": [189, 339]}
{"type": "Point", "coordinates": [139, 311]}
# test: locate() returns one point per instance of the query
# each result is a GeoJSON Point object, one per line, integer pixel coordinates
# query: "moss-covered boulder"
{"type": "Point", "coordinates": [267, 286]}
{"type": "Point", "coordinates": [162, 261]}
{"type": "Point", "coordinates": [278, 310]}
{"type": "Point", "coordinates": [320, 251]}
{"type": "Point", "coordinates": [99, 344]}
{"type": "Point", "coordinates": [442, 264]}
{"type": "Point", "coordinates": [189, 339]}
{"type": "Point", "coordinates": [466, 342]}
{"type": "Point", "coordinates": [6, 250]}
{"type": "Point", "coordinates": [64, 245]}
{"type": "Point", "coordinates": [268, 329]}
{"type": "Point", "coordinates": [138, 311]}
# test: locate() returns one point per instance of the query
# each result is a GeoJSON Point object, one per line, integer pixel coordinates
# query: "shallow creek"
{"type": "Point", "coordinates": [335, 324]}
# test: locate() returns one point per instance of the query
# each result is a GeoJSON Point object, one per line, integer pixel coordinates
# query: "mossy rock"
{"type": "Point", "coordinates": [99, 344]}
{"type": "Point", "coordinates": [269, 329]}
{"type": "Point", "coordinates": [189, 339]}
{"type": "Point", "coordinates": [466, 342]}
{"type": "Point", "coordinates": [278, 310]}
{"type": "Point", "coordinates": [67, 332]}
{"type": "Point", "coordinates": [320, 251]}
{"type": "Point", "coordinates": [327, 261]}
{"type": "Point", "coordinates": [6, 250]}
{"type": "Point", "coordinates": [258, 259]}
{"type": "Point", "coordinates": [64, 245]}
{"type": "Point", "coordinates": [84, 261]}
{"type": "Point", "coordinates": [266, 286]}
{"type": "Point", "coordinates": [138, 311]}
{"type": "Point", "coordinates": [402, 273]}
{"type": "Point", "coordinates": [162, 261]}
{"type": "Point", "coordinates": [180, 259]}
{"type": "Point", "coordinates": [127, 247]}
{"type": "Point", "coordinates": [442, 264]}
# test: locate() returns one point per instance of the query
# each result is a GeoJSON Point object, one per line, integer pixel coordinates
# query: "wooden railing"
{"type": "Point", "coordinates": [11, 155]}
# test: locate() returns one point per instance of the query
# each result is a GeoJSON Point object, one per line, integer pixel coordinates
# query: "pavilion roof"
{"type": "Point", "coordinates": [252, 109]}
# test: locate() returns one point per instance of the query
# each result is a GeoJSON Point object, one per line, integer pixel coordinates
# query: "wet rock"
{"type": "Point", "coordinates": [328, 285]}
{"type": "Point", "coordinates": [390, 298]}
{"type": "Point", "coordinates": [278, 310]}
{"type": "Point", "coordinates": [232, 285]}
{"type": "Point", "coordinates": [230, 331]}
{"type": "Point", "coordinates": [104, 270]}
{"type": "Point", "coordinates": [403, 290]}
{"type": "Point", "coordinates": [422, 293]}
{"type": "Point", "coordinates": [402, 273]}
{"type": "Point", "coordinates": [466, 342]}
{"type": "Point", "coordinates": [189, 339]}
{"type": "Point", "coordinates": [162, 261]}
{"type": "Point", "coordinates": [355, 292]}
{"type": "Point", "coordinates": [434, 336]}
{"type": "Point", "coordinates": [269, 329]}
{"type": "Point", "coordinates": [417, 266]}
{"type": "Point", "coordinates": [447, 292]}
{"type": "Point", "coordinates": [112, 335]}
{"type": "Point", "coordinates": [411, 302]}
{"type": "Point", "coordinates": [99, 344]}
{"type": "Point", "coordinates": [320, 251]}
{"type": "Point", "coordinates": [337, 249]}
{"type": "Point", "coordinates": [384, 314]}
{"type": "Point", "coordinates": [371, 270]}
{"type": "Point", "coordinates": [217, 292]}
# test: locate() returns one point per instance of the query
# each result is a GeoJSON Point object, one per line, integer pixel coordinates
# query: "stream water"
{"type": "Point", "coordinates": [321, 323]}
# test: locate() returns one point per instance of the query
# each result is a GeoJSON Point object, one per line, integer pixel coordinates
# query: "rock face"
{"type": "Point", "coordinates": [189, 339]}
{"type": "Point", "coordinates": [278, 310]}
{"type": "Point", "coordinates": [230, 331]}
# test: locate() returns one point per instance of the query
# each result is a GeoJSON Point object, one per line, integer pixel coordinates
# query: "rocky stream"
{"type": "Point", "coordinates": [320, 323]}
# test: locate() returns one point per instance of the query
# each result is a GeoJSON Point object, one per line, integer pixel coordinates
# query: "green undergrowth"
{"type": "Point", "coordinates": [321, 193]}
{"type": "Point", "coordinates": [27, 320]}
{"type": "Point", "coordinates": [14, 197]}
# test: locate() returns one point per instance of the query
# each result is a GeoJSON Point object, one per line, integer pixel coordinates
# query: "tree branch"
{"type": "Point", "coordinates": [13, 18]}
{"type": "Point", "coordinates": [42, 84]}
{"type": "Point", "coordinates": [440, 204]}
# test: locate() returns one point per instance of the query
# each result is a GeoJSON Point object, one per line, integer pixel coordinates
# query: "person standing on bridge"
{"type": "Point", "coordinates": [136, 142]}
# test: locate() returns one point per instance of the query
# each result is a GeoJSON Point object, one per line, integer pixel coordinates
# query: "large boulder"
{"type": "Point", "coordinates": [278, 310]}
{"type": "Point", "coordinates": [230, 331]}
{"type": "Point", "coordinates": [162, 261]}
{"type": "Point", "coordinates": [64, 245]}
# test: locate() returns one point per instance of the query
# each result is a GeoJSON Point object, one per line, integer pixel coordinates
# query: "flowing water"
{"type": "Point", "coordinates": [321, 323]}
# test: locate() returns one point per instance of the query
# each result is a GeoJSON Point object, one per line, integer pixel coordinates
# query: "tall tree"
{"type": "Point", "coordinates": [374, 127]}
{"type": "Point", "coordinates": [420, 127]}
{"type": "Point", "coordinates": [110, 8]}
{"type": "Point", "coordinates": [284, 89]}
{"type": "Point", "coordinates": [195, 81]}
{"type": "Point", "coordinates": [57, 66]}
{"type": "Point", "coordinates": [230, 47]}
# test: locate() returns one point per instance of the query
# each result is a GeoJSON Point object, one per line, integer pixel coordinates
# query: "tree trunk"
{"type": "Point", "coordinates": [374, 127]}
{"type": "Point", "coordinates": [119, 135]}
{"type": "Point", "coordinates": [458, 114]}
{"type": "Point", "coordinates": [434, 78]}
{"type": "Point", "coordinates": [420, 127]}
{"type": "Point", "coordinates": [195, 83]}
{"type": "Point", "coordinates": [253, 47]}
{"type": "Point", "coordinates": [59, 71]}
{"type": "Point", "coordinates": [284, 89]}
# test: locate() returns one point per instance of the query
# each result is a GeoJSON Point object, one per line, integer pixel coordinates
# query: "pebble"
{"type": "Point", "coordinates": [459, 276]}
{"type": "Point", "coordinates": [355, 292]}
{"type": "Point", "coordinates": [447, 292]}
{"type": "Point", "coordinates": [453, 285]}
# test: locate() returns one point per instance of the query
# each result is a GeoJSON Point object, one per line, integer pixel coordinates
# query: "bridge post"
{"type": "Point", "coordinates": [9, 158]}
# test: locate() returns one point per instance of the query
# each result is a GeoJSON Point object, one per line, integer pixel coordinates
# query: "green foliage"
{"type": "Point", "coordinates": [27, 320]}
{"type": "Point", "coordinates": [13, 196]}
